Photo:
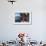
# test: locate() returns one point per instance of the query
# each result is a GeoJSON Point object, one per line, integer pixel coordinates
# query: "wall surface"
{"type": "Point", "coordinates": [9, 31]}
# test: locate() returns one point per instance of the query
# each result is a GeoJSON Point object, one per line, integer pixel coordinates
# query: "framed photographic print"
{"type": "Point", "coordinates": [23, 18]}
